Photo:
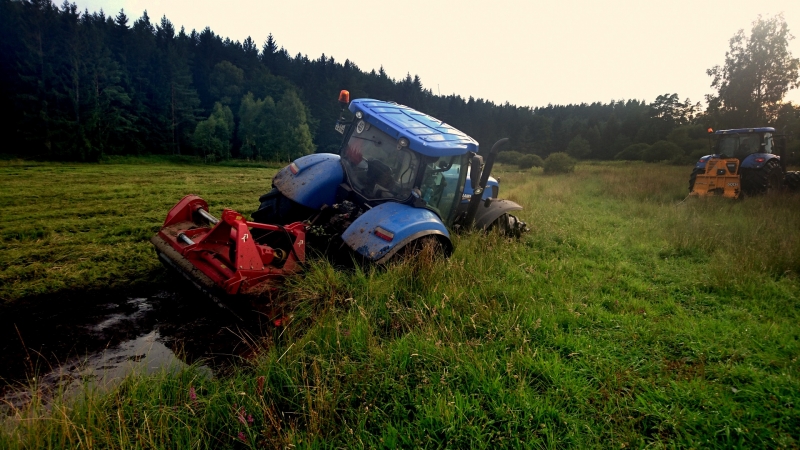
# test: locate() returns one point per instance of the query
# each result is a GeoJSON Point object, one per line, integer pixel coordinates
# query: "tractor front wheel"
{"type": "Point", "coordinates": [508, 225]}
{"type": "Point", "coordinates": [426, 249]}
{"type": "Point", "coordinates": [766, 180]}
{"type": "Point", "coordinates": [792, 181]}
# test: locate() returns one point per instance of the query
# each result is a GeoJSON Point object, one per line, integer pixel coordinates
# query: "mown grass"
{"type": "Point", "coordinates": [628, 317]}
{"type": "Point", "coordinates": [81, 226]}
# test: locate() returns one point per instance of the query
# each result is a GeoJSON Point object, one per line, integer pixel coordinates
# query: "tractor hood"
{"type": "Point", "coordinates": [426, 135]}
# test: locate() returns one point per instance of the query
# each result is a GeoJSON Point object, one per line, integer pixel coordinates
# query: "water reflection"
{"type": "Point", "coordinates": [97, 345]}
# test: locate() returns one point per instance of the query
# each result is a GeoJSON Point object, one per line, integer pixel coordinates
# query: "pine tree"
{"type": "Point", "coordinates": [178, 99]}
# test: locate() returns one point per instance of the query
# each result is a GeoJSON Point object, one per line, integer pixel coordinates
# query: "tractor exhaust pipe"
{"type": "Point", "coordinates": [477, 194]}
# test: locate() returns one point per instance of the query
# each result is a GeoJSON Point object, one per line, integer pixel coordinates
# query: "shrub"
{"type": "Point", "coordinates": [509, 157]}
{"type": "Point", "coordinates": [528, 161]}
{"type": "Point", "coordinates": [662, 151]}
{"type": "Point", "coordinates": [559, 163]}
{"type": "Point", "coordinates": [697, 154]}
{"type": "Point", "coordinates": [682, 160]}
{"type": "Point", "coordinates": [632, 152]}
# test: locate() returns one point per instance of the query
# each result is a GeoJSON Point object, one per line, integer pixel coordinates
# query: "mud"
{"type": "Point", "coordinates": [63, 341]}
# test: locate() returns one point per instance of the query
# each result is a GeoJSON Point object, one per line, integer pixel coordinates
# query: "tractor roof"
{"type": "Point", "coordinates": [746, 130]}
{"type": "Point", "coordinates": [425, 134]}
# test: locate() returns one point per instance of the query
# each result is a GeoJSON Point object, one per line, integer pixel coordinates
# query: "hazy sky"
{"type": "Point", "coordinates": [524, 52]}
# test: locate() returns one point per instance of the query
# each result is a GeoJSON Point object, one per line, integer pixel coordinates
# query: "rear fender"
{"type": "Point", "coordinates": [403, 223]}
{"type": "Point", "coordinates": [311, 180]}
{"type": "Point", "coordinates": [757, 160]}
{"type": "Point", "coordinates": [702, 163]}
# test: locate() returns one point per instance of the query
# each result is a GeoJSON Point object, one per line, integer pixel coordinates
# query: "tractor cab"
{"type": "Point", "coordinates": [742, 143]}
{"type": "Point", "coordinates": [386, 158]}
{"type": "Point", "coordinates": [400, 176]}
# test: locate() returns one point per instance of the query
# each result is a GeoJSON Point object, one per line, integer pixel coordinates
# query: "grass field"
{"type": "Point", "coordinates": [627, 317]}
{"type": "Point", "coordinates": [68, 226]}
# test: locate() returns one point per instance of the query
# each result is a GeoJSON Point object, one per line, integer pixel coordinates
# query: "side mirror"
{"type": "Point", "coordinates": [475, 171]}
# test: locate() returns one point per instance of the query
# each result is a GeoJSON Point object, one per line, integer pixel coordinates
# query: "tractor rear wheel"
{"type": "Point", "coordinates": [766, 180]}
{"type": "Point", "coordinates": [426, 249]}
{"type": "Point", "coordinates": [792, 181]}
{"type": "Point", "coordinates": [693, 177]}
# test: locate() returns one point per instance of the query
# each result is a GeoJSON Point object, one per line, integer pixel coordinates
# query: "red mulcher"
{"type": "Point", "coordinates": [222, 256]}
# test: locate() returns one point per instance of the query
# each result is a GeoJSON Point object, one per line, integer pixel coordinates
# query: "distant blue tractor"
{"type": "Point", "coordinates": [745, 162]}
{"type": "Point", "coordinates": [401, 177]}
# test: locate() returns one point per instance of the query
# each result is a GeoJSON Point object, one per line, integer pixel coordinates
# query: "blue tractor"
{"type": "Point", "coordinates": [401, 177]}
{"type": "Point", "coordinates": [745, 162]}
{"type": "Point", "coordinates": [401, 180]}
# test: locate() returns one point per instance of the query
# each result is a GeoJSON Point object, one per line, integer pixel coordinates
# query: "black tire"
{"type": "Point", "coordinates": [766, 180]}
{"type": "Point", "coordinates": [508, 225]}
{"type": "Point", "coordinates": [792, 181]}
{"type": "Point", "coordinates": [693, 176]}
{"type": "Point", "coordinates": [426, 249]}
{"type": "Point", "coordinates": [276, 209]}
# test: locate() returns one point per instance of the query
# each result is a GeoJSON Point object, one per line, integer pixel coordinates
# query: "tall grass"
{"type": "Point", "coordinates": [628, 317]}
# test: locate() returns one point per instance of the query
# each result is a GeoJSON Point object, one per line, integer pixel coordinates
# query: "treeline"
{"type": "Point", "coordinates": [82, 85]}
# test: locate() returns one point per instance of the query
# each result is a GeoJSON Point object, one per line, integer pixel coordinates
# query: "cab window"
{"type": "Point", "coordinates": [376, 166]}
{"type": "Point", "coordinates": [440, 183]}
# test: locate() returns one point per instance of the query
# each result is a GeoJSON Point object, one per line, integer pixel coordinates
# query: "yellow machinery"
{"type": "Point", "coordinates": [745, 162]}
{"type": "Point", "coordinates": [720, 178]}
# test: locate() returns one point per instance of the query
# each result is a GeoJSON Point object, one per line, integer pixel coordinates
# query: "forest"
{"type": "Point", "coordinates": [84, 85]}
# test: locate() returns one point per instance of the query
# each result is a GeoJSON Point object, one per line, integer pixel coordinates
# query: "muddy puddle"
{"type": "Point", "coordinates": [70, 341]}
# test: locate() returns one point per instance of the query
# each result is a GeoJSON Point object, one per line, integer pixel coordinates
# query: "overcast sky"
{"type": "Point", "coordinates": [523, 52]}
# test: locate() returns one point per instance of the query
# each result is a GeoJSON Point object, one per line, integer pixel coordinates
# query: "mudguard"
{"type": "Point", "coordinates": [757, 160]}
{"type": "Point", "coordinates": [702, 163]}
{"type": "Point", "coordinates": [311, 180]}
{"type": "Point", "coordinates": [486, 215]}
{"type": "Point", "coordinates": [398, 224]}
